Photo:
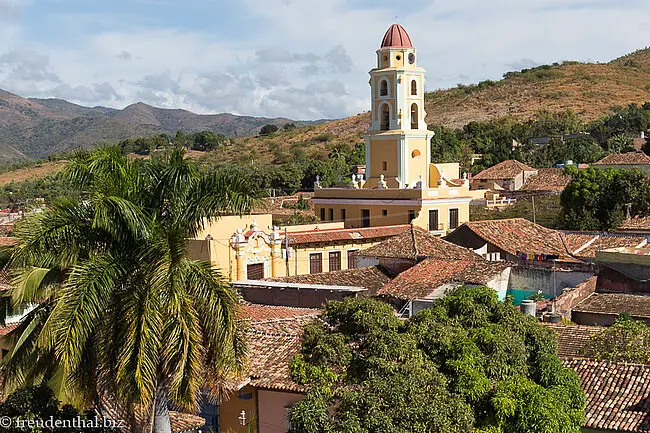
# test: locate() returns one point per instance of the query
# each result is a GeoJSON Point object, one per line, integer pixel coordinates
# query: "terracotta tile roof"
{"type": "Point", "coordinates": [6, 241]}
{"type": "Point", "coordinates": [585, 244]}
{"type": "Point", "coordinates": [372, 278]}
{"type": "Point", "coordinates": [618, 395]}
{"type": "Point", "coordinates": [274, 335]}
{"type": "Point", "coordinates": [7, 329]}
{"type": "Point", "coordinates": [547, 179]}
{"type": "Point", "coordinates": [629, 158]}
{"type": "Point", "coordinates": [185, 422]}
{"type": "Point", "coordinates": [616, 303]}
{"type": "Point", "coordinates": [504, 170]}
{"type": "Point", "coordinates": [637, 223]}
{"type": "Point", "coordinates": [519, 234]}
{"type": "Point", "coordinates": [416, 244]}
{"type": "Point", "coordinates": [272, 344]}
{"type": "Point", "coordinates": [332, 235]}
{"type": "Point", "coordinates": [573, 340]}
{"type": "Point", "coordinates": [574, 241]}
{"type": "Point", "coordinates": [5, 279]}
{"type": "Point", "coordinates": [260, 313]}
{"type": "Point", "coordinates": [422, 280]}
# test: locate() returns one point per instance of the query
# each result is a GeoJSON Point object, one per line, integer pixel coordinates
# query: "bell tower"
{"type": "Point", "coordinates": [397, 143]}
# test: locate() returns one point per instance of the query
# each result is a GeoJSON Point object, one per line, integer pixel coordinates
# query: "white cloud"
{"type": "Point", "coordinates": [310, 58]}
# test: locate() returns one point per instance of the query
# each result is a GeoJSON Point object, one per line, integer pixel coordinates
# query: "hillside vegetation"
{"type": "Point", "coordinates": [590, 91]}
{"type": "Point", "coordinates": [38, 128]}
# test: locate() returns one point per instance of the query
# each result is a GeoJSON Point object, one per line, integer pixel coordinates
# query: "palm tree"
{"type": "Point", "coordinates": [122, 313]}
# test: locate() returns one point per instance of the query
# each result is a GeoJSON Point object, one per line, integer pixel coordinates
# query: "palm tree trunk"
{"type": "Point", "coordinates": [161, 422]}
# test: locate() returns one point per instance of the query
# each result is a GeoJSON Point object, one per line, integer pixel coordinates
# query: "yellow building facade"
{"type": "Point", "coordinates": [402, 184]}
{"type": "Point", "coordinates": [250, 247]}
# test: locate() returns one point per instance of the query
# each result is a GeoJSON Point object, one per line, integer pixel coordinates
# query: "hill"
{"type": "Point", "coordinates": [36, 128]}
{"type": "Point", "coordinates": [589, 89]}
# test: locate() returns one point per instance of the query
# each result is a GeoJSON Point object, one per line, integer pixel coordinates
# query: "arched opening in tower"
{"type": "Point", "coordinates": [414, 116]}
{"type": "Point", "coordinates": [385, 118]}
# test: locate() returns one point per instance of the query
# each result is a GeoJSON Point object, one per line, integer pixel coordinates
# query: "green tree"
{"type": "Point", "coordinates": [288, 126]}
{"type": "Point", "coordinates": [470, 363]}
{"type": "Point", "coordinates": [122, 312]}
{"type": "Point", "coordinates": [38, 403]}
{"type": "Point", "coordinates": [620, 144]}
{"type": "Point", "coordinates": [268, 129]}
{"type": "Point", "coordinates": [598, 199]}
{"type": "Point", "coordinates": [627, 340]}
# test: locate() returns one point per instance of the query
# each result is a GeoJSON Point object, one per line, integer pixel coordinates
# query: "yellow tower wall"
{"type": "Point", "coordinates": [417, 160]}
{"type": "Point", "coordinates": [380, 151]}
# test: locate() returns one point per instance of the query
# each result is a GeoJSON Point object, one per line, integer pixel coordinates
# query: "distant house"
{"type": "Point", "coordinates": [546, 181]}
{"type": "Point", "coordinates": [543, 260]}
{"type": "Point", "coordinates": [637, 224]}
{"type": "Point", "coordinates": [602, 309]}
{"type": "Point", "coordinates": [628, 160]}
{"type": "Point", "coordinates": [584, 245]}
{"type": "Point", "coordinates": [546, 140]}
{"type": "Point", "coordinates": [416, 288]}
{"type": "Point", "coordinates": [513, 239]}
{"type": "Point", "coordinates": [510, 175]}
{"type": "Point", "coordinates": [409, 248]}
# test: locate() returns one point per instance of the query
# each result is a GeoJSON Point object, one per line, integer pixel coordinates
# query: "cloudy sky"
{"type": "Point", "coordinates": [303, 59]}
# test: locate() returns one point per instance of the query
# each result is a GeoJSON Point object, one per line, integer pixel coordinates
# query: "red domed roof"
{"type": "Point", "coordinates": [396, 37]}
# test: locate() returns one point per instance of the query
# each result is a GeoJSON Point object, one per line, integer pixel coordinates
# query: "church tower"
{"type": "Point", "coordinates": [397, 143]}
{"type": "Point", "coordinates": [402, 185]}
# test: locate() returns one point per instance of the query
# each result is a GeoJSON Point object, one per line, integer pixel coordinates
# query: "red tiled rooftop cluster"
{"type": "Point", "coordinates": [508, 169]}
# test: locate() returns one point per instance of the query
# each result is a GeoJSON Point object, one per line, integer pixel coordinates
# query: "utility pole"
{"type": "Point", "coordinates": [533, 199]}
{"type": "Point", "coordinates": [286, 249]}
{"type": "Point", "coordinates": [554, 290]}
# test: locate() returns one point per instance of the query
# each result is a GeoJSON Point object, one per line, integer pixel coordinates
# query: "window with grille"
{"type": "Point", "coordinates": [433, 219]}
{"type": "Point", "coordinates": [352, 263]}
{"type": "Point", "coordinates": [385, 118]}
{"type": "Point", "coordinates": [414, 116]}
{"type": "Point", "coordinates": [316, 263]}
{"type": "Point", "coordinates": [453, 218]}
{"type": "Point", "coordinates": [335, 260]}
{"type": "Point", "coordinates": [255, 271]}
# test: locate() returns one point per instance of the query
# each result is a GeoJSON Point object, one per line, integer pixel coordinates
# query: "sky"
{"type": "Point", "coordinates": [301, 59]}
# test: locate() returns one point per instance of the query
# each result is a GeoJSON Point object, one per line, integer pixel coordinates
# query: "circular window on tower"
{"type": "Point", "coordinates": [411, 58]}
{"type": "Point", "coordinates": [398, 57]}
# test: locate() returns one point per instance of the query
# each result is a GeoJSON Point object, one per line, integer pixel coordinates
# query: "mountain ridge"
{"type": "Point", "coordinates": [34, 128]}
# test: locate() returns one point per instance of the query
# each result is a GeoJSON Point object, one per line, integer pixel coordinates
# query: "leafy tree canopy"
{"type": "Point", "coordinates": [470, 363]}
{"type": "Point", "coordinates": [38, 403]}
{"type": "Point", "coordinates": [268, 129]}
{"type": "Point", "coordinates": [598, 199]}
{"type": "Point", "coordinates": [627, 340]}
